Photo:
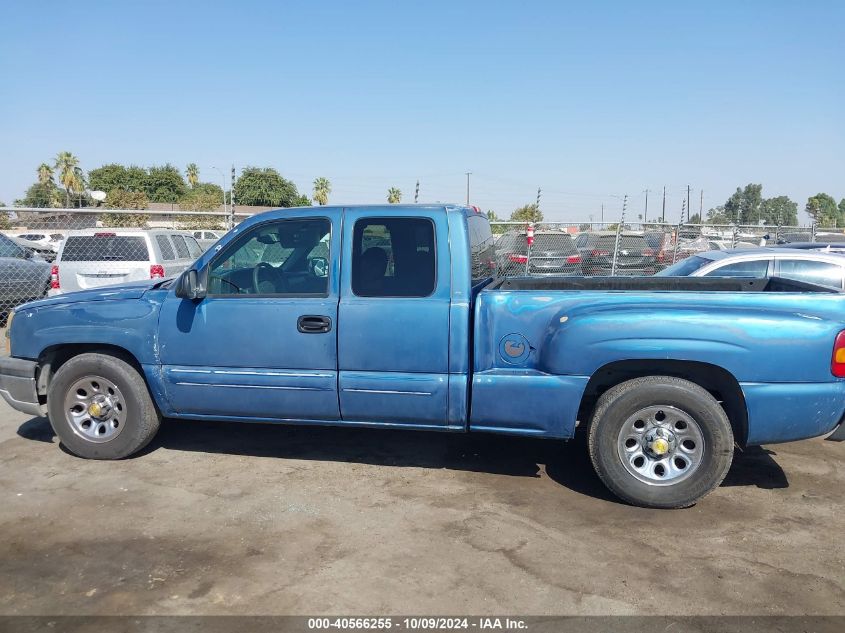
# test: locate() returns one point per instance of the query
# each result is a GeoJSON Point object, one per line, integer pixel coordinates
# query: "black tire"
{"type": "Point", "coordinates": [618, 406]}
{"type": "Point", "coordinates": [141, 416]}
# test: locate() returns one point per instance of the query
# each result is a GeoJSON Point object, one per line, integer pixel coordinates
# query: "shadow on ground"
{"type": "Point", "coordinates": [565, 463]}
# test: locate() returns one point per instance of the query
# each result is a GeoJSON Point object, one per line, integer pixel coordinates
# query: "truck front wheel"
{"type": "Point", "coordinates": [100, 407]}
{"type": "Point", "coordinates": [660, 442]}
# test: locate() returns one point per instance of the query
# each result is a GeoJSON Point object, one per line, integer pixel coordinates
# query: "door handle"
{"type": "Point", "coordinates": [313, 324]}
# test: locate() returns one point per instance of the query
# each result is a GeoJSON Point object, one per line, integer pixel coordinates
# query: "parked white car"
{"type": "Point", "coordinates": [206, 238]}
{"type": "Point", "coordinates": [824, 269]}
{"type": "Point", "coordinates": [92, 258]}
{"type": "Point", "coordinates": [45, 244]}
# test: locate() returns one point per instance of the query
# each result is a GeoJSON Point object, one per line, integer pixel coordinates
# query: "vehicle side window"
{"type": "Point", "coordinates": [482, 249]}
{"type": "Point", "coordinates": [181, 247]}
{"type": "Point", "coordinates": [166, 247]}
{"type": "Point", "coordinates": [393, 257]}
{"type": "Point", "coordinates": [275, 259]}
{"type": "Point", "coordinates": [194, 249]}
{"type": "Point", "coordinates": [9, 249]}
{"type": "Point", "coordinates": [198, 234]}
{"type": "Point", "coordinates": [752, 268]}
{"type": "Point", "coordinates": [821, 273]}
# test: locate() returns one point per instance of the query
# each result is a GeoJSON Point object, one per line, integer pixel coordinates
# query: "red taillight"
{"type": "Point", "coordinates": [573, 259]}
{"type": "Point", "coordinates": [54, 277]}
{"type": "Point", "coordinates": [599, 253]}
{"type": "Point", "coordinates": [156, 271]}
{"type": "Point", "coordinates": [837, 361]}
{"type": "Point", "coordinates": [517, 258]}
{"type": "Point", "coordinates": [661, 257]}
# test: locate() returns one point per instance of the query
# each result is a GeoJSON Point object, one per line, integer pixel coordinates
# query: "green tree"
{"type": "Point", "coordinates": [394, 195]}
{"type": "Point", "coordinates": [717, 215]}
{"type": "Point", "coordinates": [822, 208]}
{"type": "Point", "coordinates": [193, 174]}
{"type": "Point", "coordinates": [67, 165]}
{"type": "Point", "coordinates": [743, 207]}
{"type": "Point", "coordinates": [265, 187]}
{"type": "Point", "coordinates": [322, 189]}
{"type": "Point", "coordinates": [108, 177]}
{"type": "Point", "coordinates": [41, 196]}
{"type": "Point", "coordinates": [780, 210]}
{"type": "Point", "coordinates": [842, 208]}
{"type": "Point", "coordinates": [202, 200]}
{"type": "Point", "coordinates": [122, 199]}
{"type": "Point", "coordinates": [5, 222]}
{"type": "Point", "coordinates": [695, 218]}
{"type": "Point", "coordinates": [527, 213]}
{"type": "Point", "coordinates": [204, 196]}
{"type": "Point", "coordinates": [164, 183]}
{"type": "Point", "coordinates": [45, 173]}
{"type": "Point", "coordinates": [301, 201]}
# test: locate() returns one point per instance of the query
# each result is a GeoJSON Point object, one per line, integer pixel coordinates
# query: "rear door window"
{"type": "Point", "coordinates": [193, 246]}
{"type": "Point", "coordinates": [181, 247]}
{"type": "Point", "coordinates": [482, 248]}
{"type": "Point", "coordinates": [821, 273]}
{"type": "Point", "coordinates": [166, 247]}
{"type": "Point", "coordinates": [105, 247]}
{"type": "Point", "coordinates": [751, 268]}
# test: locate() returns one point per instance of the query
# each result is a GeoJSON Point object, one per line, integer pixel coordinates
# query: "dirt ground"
{"type": "Point", "coordinates": [250, 519]}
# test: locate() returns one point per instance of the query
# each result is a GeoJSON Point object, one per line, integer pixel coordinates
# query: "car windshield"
{"type": "Point", "coordinates": [685, 267]}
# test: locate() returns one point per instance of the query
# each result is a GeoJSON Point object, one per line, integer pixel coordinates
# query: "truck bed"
{"type": "Point", "coordinates": [657, 284]}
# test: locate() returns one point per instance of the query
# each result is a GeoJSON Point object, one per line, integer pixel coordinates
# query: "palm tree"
{"type": "Point", "coordinates": [193, 174]}
{"type": "Point", "coordinates": [67, 164]}
{"type": "Point", "coordinates": [394, 195]}
{"type": "Point", "coordinates": [45, 173]}
{"type": "Point", "coordinates": [322, 189]}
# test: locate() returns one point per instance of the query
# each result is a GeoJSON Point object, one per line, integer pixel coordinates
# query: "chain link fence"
{"type": "Point", "coordinates": [100, 246]}
{"type": "Point", "coordinates": [53, 251]}
{"type": "Point", "coordinates": [629, 248]}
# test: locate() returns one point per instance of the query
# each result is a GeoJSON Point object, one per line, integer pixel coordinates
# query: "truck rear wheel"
{"type": "Point", "coordinates": [100, 407]}
{"type": "Point", "coordinates": [660, 442]}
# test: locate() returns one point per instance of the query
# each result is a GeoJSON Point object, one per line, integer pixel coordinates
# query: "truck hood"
{"type": "Point", "coordinates": [128, 290]}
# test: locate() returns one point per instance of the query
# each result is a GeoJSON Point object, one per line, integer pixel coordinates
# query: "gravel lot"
{"type": "Point", "coordinates": [220, 518]}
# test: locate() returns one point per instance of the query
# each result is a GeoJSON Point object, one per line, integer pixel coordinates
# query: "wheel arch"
{"type": "Point", "coordinates": [718, 381]}
{"type": "Point", "coordinates": [54, 356]}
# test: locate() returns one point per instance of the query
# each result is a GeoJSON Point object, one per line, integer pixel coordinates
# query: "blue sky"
{"type": "Point", "coordinates": [589, 100]}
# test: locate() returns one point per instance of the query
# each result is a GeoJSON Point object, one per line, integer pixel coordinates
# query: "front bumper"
{"type": "Point", "coordinates": [17, 385]}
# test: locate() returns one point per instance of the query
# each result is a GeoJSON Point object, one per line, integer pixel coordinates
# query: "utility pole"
{"type": "Point", "coordinates": [417, 193]}
{"type": "Point", "coordinates": [232, 200]}
{"type": "Point", "coordinates": [538, 199]}
{"type": "Point", "coordinates": [645, 213]}
{"type": "Point", "coordinates": [701, 207]}
{"type": "Point", "coordinates": [688, 207]}
{"type": "Point", "coordinates": [683, 210]}
{"type": "Point", "coordinates": [469, 173]}
{"type": "Point", "coordinates": [602, 213]}
{"type": "Point", "coordinates": [663, 218]}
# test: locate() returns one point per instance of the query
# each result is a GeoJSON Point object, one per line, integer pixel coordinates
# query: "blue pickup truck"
{"type": "Point", "coordinates": [392, 316]}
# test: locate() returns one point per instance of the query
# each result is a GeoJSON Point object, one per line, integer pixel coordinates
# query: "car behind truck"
{"type": "Point", "coordinates": [391, 317]}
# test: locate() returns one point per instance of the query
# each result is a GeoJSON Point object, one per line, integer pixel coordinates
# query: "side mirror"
{"type": "Point", "coordinates": [189, 286]}
{"type": "Point", "coordinates": [319, 266]}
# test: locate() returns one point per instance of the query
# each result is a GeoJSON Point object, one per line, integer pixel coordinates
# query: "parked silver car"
{"type": "Point", "coordinates": [824, 269]}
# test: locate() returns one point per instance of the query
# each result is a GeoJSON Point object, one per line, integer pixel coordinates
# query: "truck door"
{"type": "Point", "coordinates": [393, 321]}
{"type": "Point", "coordinates": [263, 342]}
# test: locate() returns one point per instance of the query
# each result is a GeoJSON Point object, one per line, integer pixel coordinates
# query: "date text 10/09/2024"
{"type": "Point", "coordinates": [417, 623]}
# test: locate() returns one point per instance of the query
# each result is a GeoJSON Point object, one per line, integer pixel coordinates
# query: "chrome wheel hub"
{"type": "Point", "coordinates": [95, 409]}
{"type": "Point", "coordinates": [660, 445]}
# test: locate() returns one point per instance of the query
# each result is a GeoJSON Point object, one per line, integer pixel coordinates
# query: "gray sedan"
{"type": "Point", "coordinates": [23, 275]}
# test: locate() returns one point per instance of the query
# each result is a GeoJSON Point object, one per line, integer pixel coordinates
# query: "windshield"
{"type": "Point", "coordinates": [685, 267]}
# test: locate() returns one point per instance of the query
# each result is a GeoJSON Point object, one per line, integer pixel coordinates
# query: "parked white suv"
{"type": "Point", "coordinates": [206, 238]}
{"type": "Point", "coordinates": [91, 258]}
